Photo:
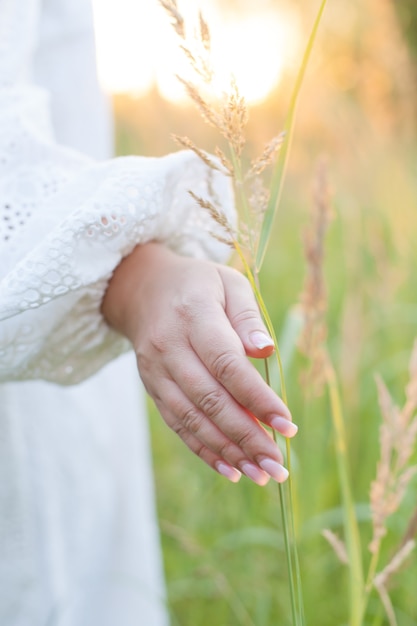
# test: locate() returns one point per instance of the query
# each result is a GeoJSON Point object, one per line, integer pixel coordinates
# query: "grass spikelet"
{"type": "Point", "coordinates": [186, 143]}
{"type": "Point", "coordinates": [397, 439]}
{"type": "Point", "coordinates": [337, 544]}
{"type": "Point", "coordinates": [199, 58]}
{"type": "Point", "coordinates": [177, 20]}
{"type": "Point", "coordinates": [312, 343]}
{"type": "Point", "coordinates": [411, 531]}
{"type": "Point", "coordinates": [381, 579]}
{"type": "Point", "coordinates": [199, 63]}
{"type": "Point", "coordinates": [207, 112]}
{"type": "Point", "coordinates": [205, 36]}
{"type": "Point", "coordinates": [258, 199]}
{"type": "Point", "coordinates": [216, 214]}
{"type": "Point", "coordinates": [235, 117]}
{"type": "Point", "coordinates": [394, 565]}
{"type": "Point", "coordinates": [398, 433]}
{"type": "Point", "coordinates": [267, 157]}
{"type": "Point", "coordinates": [224, 161]}
{"type": "Point", "coordinates": [313, 299]}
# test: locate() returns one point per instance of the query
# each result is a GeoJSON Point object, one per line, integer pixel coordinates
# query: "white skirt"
{"type": "Point", "coordinates": [79, 539]}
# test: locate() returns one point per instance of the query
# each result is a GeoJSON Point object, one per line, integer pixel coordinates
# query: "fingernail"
{"type": "Point", "coordinates": [229, 472]}
{"type": "Point", "coordinates": [261, 340]}
{"type": "Point", "coordinates": [284, 426]}
{"type": "Point", "coordinates": [254, 473]}
{"type": "Point", "coordinates": [274, 469]}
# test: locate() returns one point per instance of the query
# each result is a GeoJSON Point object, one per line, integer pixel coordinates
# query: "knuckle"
{"type": "Point", "coordinates": [145, 373]}
{"type": "Point", "coordinates": [244, 438]}
{"type": "Point", "coordinates": [186, 309]}
{"type": "Point", "coordinates": [237, 276]}
{"type": "Point", "coordinates": [180, 430]}
{"type": "Point", "coordinates": [227, 449]}
{"type": "Point", "coordinates": [144, 364]}
{"type": "Point", "coordinates": [249, 314]}
{"type": "Point", "coordinates": [159, 340]}
{"type": "Point", "coordinates": [153, 393]}
{"type": "Point", "coordinates": [225, 365]}
{"type": "Point", "coordinates": [211, 403]}
{"type": "Point", "coordinates": [199, 449]}
{"type": "Point", "coordinates": [192, 420]}
{"type": "Point", "coordinates": [193, 443]}
{"type": "Point", "coordinates": [241, 282]}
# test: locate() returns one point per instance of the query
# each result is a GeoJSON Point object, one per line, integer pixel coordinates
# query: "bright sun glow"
{"type": "Point", "coordinates": [137, 48]}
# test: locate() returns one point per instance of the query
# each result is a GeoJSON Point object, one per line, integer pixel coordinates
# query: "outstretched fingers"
{"type": "Point", "coordinates": [222, 352]}
{"type": "Point", "coordinates": [209, 457]}
{"type": "Point", "coordinates": [204, 408]}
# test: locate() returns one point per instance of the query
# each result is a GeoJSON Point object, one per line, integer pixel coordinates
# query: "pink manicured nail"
{"type": "Point", "coordinates": [229, 472]}
{"type": "Point", "coordinates": [284, 426]}
{"type": "Point", "coordinates": [261, 340]}
{"type": "Point", "coordinates": [274, 469]}
{"type": "Point", "coordinates": [254, 473]}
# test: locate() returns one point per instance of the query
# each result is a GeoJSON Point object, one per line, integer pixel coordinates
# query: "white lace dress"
{"type": "Point", "coordinates": [78, 535]}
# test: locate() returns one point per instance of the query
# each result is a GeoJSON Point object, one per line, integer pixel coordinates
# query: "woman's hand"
{"type": "Point", "coordinates": [192, 324]}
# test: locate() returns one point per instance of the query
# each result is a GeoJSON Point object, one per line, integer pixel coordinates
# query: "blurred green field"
{"type": "Point", "coordinates": [223, 545]}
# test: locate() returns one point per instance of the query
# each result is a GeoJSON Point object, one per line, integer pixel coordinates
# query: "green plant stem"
{"type": "Point", "coordinates": [353, 544]}
{"type": "Point", "coordinates": [299, 585]}
{"type": "Point", "coordinates": [297, 606]}
{"type": "Point", "coordinates": [287, 507]}
{"type": "Point", "coordinates": [289, 534]}
{"type": "Point", "coordinates": [288, 552]}
{"type": "Point", "coordinates": [372, 570]}
{"type": "Point", "coordinates": [278, 175]}
{"type": "Point", "coordinates": [296, 594]}
{"type": "Point", "coordinates": [370, 578]}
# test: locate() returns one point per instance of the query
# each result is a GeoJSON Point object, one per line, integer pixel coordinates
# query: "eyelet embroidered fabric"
{"type": "Point", "coordinates": [66, 221]}
{"type": "Point", "coordinates": [79, 539]}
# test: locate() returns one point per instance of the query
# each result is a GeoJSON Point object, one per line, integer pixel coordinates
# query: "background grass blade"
{"type": "Point", "coordinates": [278, 175]}
{"type": "Point", "coordinates": [353, 542]}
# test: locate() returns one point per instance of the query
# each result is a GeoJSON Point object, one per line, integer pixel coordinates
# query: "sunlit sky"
{"type": "Point", "coordinates": [137, 48]}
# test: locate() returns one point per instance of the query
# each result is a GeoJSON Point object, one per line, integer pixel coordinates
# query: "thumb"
{"type": "Point", "coordinates": [244, 316]}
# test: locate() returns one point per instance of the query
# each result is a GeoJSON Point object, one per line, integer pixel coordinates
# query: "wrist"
{"type": "Point", "coordinates": [126, 289]}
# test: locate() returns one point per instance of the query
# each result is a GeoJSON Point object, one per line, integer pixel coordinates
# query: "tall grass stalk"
{"type": "Point", "coordinates": [280, 168]}
{"type": "Point", "coordinates": [312, 343]}
{"type": "Point", "coordinates": [285, 490]}
{"type": "Point", "coordinates": [352, 536]}
{"type": "Point", "coordinates": [398, 434]}
{"type": "Point", "coordinates": [230, 121]}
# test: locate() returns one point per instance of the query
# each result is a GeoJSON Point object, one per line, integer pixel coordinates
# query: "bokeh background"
{"type": "Point", "coordinates": [223, 547]}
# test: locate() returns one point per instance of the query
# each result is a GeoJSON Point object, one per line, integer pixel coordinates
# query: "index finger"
{"type": "Point", "coordinates": [221, 350]}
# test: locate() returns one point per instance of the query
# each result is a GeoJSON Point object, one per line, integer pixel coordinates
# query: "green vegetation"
{"type": "Point", "coordinates": [223, 545]}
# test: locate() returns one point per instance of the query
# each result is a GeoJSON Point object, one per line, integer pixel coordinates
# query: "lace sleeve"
{"type": "Point", "coordinates": [66, 221]}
